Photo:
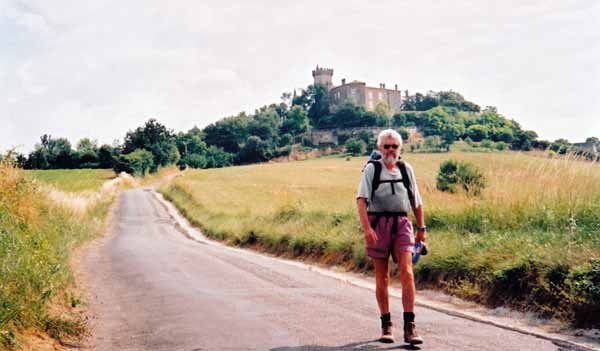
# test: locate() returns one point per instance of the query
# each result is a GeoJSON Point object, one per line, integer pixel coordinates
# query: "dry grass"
{"type": "Point", "coordinates": [39, 226]}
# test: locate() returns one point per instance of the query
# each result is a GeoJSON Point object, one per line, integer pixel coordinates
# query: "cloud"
{"type": "Point", "coordinates": [98, 69]}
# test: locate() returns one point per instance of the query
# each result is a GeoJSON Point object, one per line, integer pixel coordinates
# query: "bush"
{"type": "Point", "coordinates": [447, 178]}
{"type": "Point", "coordinates": [217, 157]}
{"type": "Point", "coordinates": [306, 142]}
{"type": "Point", "coordinates": [500, 146]}
{"type": "Point", "coordinates": [355, 147]}
{"type": "Point", "coordinates": [404, 134]}
{"type": "Point", "coordinates": [478, 132]}
{"type": "Point", "coordinates": [194, 160]}
{"type": "Point", "coordinates": [137, 163]}
{"type": "Point", "coordinates": [465, 174]}
{"type": "Point", "coordinates": [488, 144]}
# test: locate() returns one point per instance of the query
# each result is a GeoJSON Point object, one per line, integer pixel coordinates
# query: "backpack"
{"type": "Point", "coordinates": [374, 159]}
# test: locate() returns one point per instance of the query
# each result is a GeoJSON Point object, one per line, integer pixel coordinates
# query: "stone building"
{"type": "Point", "coordinates": [358, 92]}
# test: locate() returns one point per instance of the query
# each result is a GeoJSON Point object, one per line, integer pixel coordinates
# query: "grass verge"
{"type": "Point", "coordinates": [38, 230]}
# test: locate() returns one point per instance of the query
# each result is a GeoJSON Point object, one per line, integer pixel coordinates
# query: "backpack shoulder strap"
{"type": "Point", "coordinates": [376, 177]}
{"type": "Point", "coordinates": [407, 183]}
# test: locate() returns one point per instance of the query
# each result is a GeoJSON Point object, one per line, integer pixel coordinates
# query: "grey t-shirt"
{"type": "Point", "coordinates": [385, 198]}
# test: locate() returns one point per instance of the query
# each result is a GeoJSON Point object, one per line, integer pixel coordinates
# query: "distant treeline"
{"type": "Point", "coordinates": [273, 129]}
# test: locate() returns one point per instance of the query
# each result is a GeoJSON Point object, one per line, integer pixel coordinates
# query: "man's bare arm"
{"type": "Point", "coordinates": [370, 234]}
{"type": "Point", "coordinates": [420, 217]}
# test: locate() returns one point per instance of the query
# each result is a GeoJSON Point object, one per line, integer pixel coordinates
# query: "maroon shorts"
{"type": "Point", "coordinates": [388, 241]}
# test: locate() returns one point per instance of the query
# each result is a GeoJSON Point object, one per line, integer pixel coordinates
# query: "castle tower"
{"type": "Point", "coordinates": [323, 76]}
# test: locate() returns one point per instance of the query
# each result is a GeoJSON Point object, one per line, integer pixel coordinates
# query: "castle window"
{"type": "Point", "coordinates": [354, 92]}
{"type": "Point", "coordinates": [380, 95]}
{"type": "Point", "coordinates": [370, 95]}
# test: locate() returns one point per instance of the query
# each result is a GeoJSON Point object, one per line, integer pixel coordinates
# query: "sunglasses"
{"type": "Point", "coordinates": [393, 146]}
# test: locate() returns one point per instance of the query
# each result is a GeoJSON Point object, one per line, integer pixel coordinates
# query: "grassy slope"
{"type": "Point", "coordinates": [37, 233]}
{"type": "Point", "coordinates": [528, 241]}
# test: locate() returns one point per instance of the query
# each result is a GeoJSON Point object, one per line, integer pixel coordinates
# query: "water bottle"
{"type": "Point", "coordinates": [419, 250]}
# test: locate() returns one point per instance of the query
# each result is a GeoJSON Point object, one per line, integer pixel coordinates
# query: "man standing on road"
{"type": "Point", "coordinates": [386, 194]}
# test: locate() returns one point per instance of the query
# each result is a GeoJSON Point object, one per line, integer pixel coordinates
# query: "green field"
{"type": "Point", "coordinates": [531, 240]}
{"type": "Point", "coordinates": [73, 180]}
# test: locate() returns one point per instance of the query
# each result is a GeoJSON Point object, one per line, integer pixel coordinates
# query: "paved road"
{"type": "Point", "coordinates": [155, 289]}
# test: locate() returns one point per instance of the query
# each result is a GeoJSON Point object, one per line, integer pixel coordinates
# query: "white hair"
{"type": "Point", "coordinates": [387, 134]}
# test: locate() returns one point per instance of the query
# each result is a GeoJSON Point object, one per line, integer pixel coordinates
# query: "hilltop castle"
{"type": "Point", "coordinates": [358, 92]}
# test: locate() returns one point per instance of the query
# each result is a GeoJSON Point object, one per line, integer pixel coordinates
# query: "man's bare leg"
{"type": "Point", "coordinates": [407, 279]}
{"type": "Point", "coordinates": [408, 297]}
{"type": "Point", "coordinates": [382, 279]}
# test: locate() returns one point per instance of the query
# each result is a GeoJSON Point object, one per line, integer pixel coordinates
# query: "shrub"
{"type": "Point", "coordinates": [500, 146]}
{"type": "Point", "coordinates": [355, 147]}
{"type": "Point", "coordinates": [194, 160]}
{"type": "Point", "coordinates": [404, 134]}
{"type": "Point", "coordinates": [465, 174]}
{"type": "Point", "coordinates": [306, 142]}
{"type": "Point", "coordinates": [216, 157]}
{"type": "Point", "coordinates": [433, 142]}
{"type": "Point", "coordinates": [488, 144]}
{"type": "Point", "coordinates": [137, 163]}
{"type": "Point", "coordinates": [446, 178]}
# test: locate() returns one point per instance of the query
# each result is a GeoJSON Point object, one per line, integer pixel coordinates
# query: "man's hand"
{"type": "Point", "coordinates": [421, 235]}
{"type": "Point", "coordinates": [370, 236]}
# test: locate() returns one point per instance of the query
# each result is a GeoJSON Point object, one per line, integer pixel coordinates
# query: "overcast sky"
{"type": "Point", "coordinates": [100, 68]}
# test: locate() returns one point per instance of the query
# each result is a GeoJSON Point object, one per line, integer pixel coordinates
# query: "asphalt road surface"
{"type": "Point", "coordinates": [154, 289]}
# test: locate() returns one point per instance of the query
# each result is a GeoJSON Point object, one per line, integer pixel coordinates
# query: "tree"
{"type": "Point", "coordinates": [87, 154]}
{"type": "Point", "coordinates": [478, 132]}
{"type": "Point", "coordinates": [106, 156]}
{"type": "Point", "coordinates": [355, 147]}
{"type": "Point", "coordinates": [194, 160]}
{"type": "Point", "coordinates": [451, 132]}
{"type": "Point", "coordinates": [523, 139]}
{"type": "Point", "coordinates": [51, 153]}
{"type": "Point", "coordinates": [192, 150]}
{"type": "Point", "coordinates": [404, 134]}
{"type": "Point", "coordinates": [382, 110]}
{"type": "Point", "coordinates": [541, 144]}
{"type": "Point", "coordinates": [319, 104]}
{"type": "Point", "coordinates": [433, 121]}
{"type": "Point", "coordinates": [560, 146]}
{"type": "Point", "coordinates": [504, 134]}
{"type": "Point", "coordinates": [453, 99]}
{"type": "Point", "coordinates": [399, 120]}
{"type": "Point", "coordinates": [138, 162]}
{"type": "Point", "coordinates": [296, 121]}
{"type": "Point", "coordinates": [348, 115]}
{"type": "Point", "coordinates": [228, 133]}
{"type": "Point", "coordinates": [61, 154]}
{"type": "Point", "coordinates": [426, 102]}
{"type": "Point", "coordinates": [188, 143]}
{"type": "Point", "coordinates": [216, 157]}
{"type": "Point", "coordinates": [265, 124]}
{"type": "Point", "coordinates": [155, 138]}
{"type": "Point", "coordinates": [254, 150]}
